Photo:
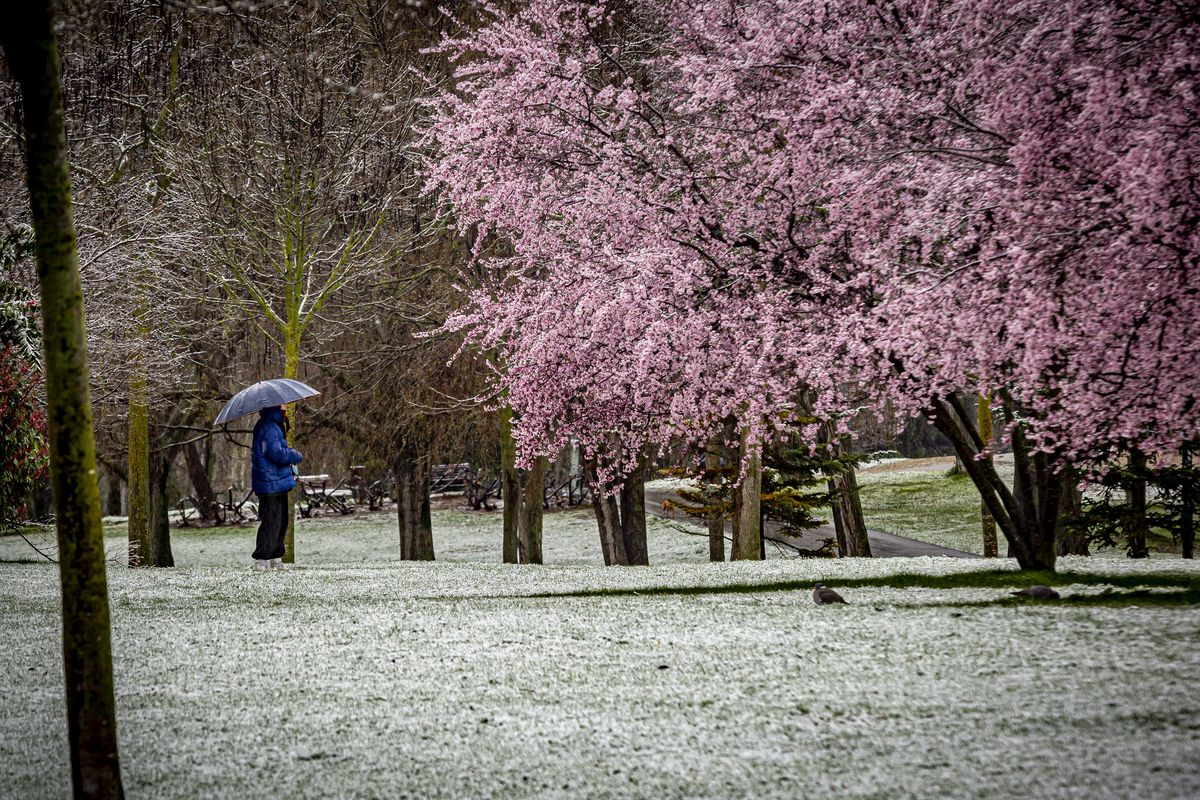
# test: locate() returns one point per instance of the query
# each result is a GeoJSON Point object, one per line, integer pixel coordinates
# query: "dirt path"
{"type": "Point", "coordinates": [883, 545]}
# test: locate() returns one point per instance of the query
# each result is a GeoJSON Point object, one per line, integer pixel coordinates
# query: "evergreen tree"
{"type": "Point", "coordinates": [794, 486]}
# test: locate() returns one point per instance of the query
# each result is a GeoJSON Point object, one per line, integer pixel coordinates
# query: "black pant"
{"type": "Point", "coordinates": [272, 526]}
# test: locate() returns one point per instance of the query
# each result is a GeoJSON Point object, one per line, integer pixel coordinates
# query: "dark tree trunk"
{"type": "Point", "coordinates": [413, 507]}
{"type": "Point", "coordinates": [1071, 542]}
{"type": "Point", "coordinates": [1187, 534]}
{"type": "Point", "coordinates": [1027, 515]}
{"type": "Point", "coordinates": [206, 501]}
{"type": "Point", "coordinates": [848, 516]}
{"type": "Point", "coordinates": [608, 518]}
{"type": "Point", "coordinates": [633, 517]}
{"type": "Point", "coordinates": [747, 531]}
{"type": "Point", "coordinates": [1137, 527]}
{"type": "Point", "coordinates": [825, 436]}
{"type": "Point", "coordinates": [113, 501]}
{"type": "Point", "coordinates": [839, 524]}
{"type": "Point", "coordinates": [848, 522]}
{"type": "Point", "coordinates": [510, 488]}
{"type": "Point", "coordinates": [531, 527]}
{"type": "Point", "coordinates": [160, 520]}
{"type": "Point", "coordinates": [716, 523]}
{"type": "Point", "coordinates": [27, 36]}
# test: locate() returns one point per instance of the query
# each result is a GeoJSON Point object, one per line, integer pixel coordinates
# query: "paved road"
{"type": "Point", "coordinates": [883, 545]}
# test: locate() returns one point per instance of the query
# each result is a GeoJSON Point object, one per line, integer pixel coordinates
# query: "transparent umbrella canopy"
{"type": "Point", "coordinates": [264, 394]}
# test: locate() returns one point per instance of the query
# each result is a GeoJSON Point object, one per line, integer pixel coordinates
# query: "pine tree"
{"type": "Point", "coordinates": [794, 486]}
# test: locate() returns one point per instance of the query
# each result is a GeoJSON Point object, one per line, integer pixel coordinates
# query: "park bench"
{"type": "Point", "coordinates": [316, 493]}
{"type": "Point", "coordinates": [226, 507]}
{"type": "Point", "coordinates": [573, 491]}
{"type": "Point", "coordinates": [449, 478]}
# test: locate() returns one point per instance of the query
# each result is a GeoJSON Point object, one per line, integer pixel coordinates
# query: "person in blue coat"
{"type": "Point", "coordinates": [272, 477]}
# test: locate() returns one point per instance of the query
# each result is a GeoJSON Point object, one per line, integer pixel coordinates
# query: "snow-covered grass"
{"type": "Point", "coordinates": [390, 680]}
{"type": "Point", "coordinates": [570, 537]}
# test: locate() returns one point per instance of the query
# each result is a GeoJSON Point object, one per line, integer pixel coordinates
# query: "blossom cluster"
{"type": "Point", "coordinates": [715, 209]}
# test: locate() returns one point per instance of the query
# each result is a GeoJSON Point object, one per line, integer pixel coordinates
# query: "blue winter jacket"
{"type": "Point", "coordinates": [271, 458]}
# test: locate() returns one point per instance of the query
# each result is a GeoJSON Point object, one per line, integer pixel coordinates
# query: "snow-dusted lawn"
{"type": "Point", "coordinates": [570, 537]}
{"type": "Point", "coordinates": [384, 679]}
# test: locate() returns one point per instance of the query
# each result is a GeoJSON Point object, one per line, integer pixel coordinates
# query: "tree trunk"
{"type": "Point", "coordinates": [535, 495]}
{"type": "Point", "coordinates": [991, 547]}
{"type": "Point", "coordinates": [160, 521]}
{"type": "Point", "coordinates": [27, 36]}
{"type": "Point", "coordinates": [1071, 542]}
{"type": "Point", "coordinates": [716, 523]}
{"type": "Point", "coordinates": [510, 487]}
{"type": "Point", "coordinates": [413, 507]}
{"type": "Point", "coordinates": [1137, 528]}
{"type": "Point", "coordinates": [633, 517]}
{"type": "Point", "coordinates": [289, 538]}
{"type": "Point", "coordinates": [206, 501]}
{"type": "Point", "coordinates": [608, 518]}
{"type": "Point", "coordinates": [839, 524]}
{"type": "Point", "coordinates": [141, 551]}
{"type": "Point", "coordinates": [112, 503]}
{"type": "Point", "coordinates": [848, 516]}
{"type": "Point", "coordinates": [1027, 515]}
{"type": "Point", "coordinates": [1187, 534]}
{"type": "Point", "coordinates": [747, 534]}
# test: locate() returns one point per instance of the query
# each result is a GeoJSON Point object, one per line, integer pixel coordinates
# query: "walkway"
{"type": "Point", "coordinates": [883, 545]}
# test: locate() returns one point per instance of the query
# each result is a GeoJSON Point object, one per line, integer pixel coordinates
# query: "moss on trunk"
{"type": "Point", "coordinates": [32, 53]}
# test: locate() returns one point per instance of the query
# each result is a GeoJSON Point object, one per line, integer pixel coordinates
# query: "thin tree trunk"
{"type": "Point", "coordinates": [206, 501]}
{"type": "Point", "coordinates": [1137, 527]}
{"type": "Point", "coordinates": [413, 507]}
{"type": "Point", "coordinates": [27, 36]}
{"type": "Point", "coordinates": [716, 523]}
{"type": "Point", "coordinates": [608, 518]}
{"type": "Point", "coordinates": [405, 509]}
{"type": "Point", "coordinates": [424, 536]}
{"type": "Point", "coordinates": [510, 488]}
{"type": "Point", "coordinates": [991, 548]}
{"type": "Point", "coordinates": [849, 507]}
{"type": "Point", "coordinates": [141, 551]}
{"type": "Point", "coordinates": [113, 501]}
{"type": "Point", "coordinates": [160, 521]}
{"type": "Point", "coordinates": [535, 493]}
{"type": "Point", "coordinates": [747, 534]}
{"type": "Point", "coordinates": [1071, 542]}
{"type": "Point", "coordinates": [839, 524]}
{"type": "Point", "coordinates": [1187, 534]}
{"type": "Point", "coordinates": [633, 517]}
{"type": "Point", "coordinates": [826, 436]}
{"type": "Point", "coordinates": [289, 538]}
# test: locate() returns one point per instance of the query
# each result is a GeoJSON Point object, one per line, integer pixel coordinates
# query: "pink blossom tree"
{"type": "Point", "coordinates": [715, 207]}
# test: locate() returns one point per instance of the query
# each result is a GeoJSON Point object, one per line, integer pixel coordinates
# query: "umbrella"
{"type": "Point", "coordinates": [264, 394]}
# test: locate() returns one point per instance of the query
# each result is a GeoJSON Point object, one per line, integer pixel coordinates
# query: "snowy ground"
{"type": "Point", "coordinates": [570, 537]}
{"type": "Point", "coordinates": [382, 679]}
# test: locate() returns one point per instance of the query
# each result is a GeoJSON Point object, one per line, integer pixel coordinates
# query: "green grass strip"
{"type": "Point", "coordinates": [997, 579]}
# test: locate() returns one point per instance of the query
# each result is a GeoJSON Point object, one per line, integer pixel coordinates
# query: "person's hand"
{"type": "Point", "coordinates": [295, 471]}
